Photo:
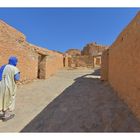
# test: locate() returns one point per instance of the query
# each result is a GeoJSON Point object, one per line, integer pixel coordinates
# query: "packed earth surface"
{"type": "Point", "coordinates": [72, 100]}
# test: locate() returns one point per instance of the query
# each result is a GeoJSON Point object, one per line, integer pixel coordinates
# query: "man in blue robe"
{"type": "Point", "coordinates": [9, 75]}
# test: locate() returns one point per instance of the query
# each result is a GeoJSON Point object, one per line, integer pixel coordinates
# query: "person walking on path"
{"type": "Point", "coordinates": [9, 75]}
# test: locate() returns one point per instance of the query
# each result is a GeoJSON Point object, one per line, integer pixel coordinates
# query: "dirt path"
{"type": "Point", "coordinates": [70, 101]}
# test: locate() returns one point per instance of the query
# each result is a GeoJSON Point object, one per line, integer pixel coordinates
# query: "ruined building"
{"type": "Point", "coordinates": [34, 62]}
{"type": "Point", "coordinates": [73, 52]}
{"type": "Point", "coordinates": [93, 49]}
{"type": "Point", "coordinates": [121, 65]}
{"type": "Point", "coordinates": [90, 56]}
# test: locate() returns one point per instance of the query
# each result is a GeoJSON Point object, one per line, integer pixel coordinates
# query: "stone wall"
{"type": "Point", "coordinates": [81, 61]}
{"type": "Point", "coordinates": [27, 61]}
{"type": "Point", "coordinates": [53, 64]}
{"type": "Point", "coordinates": [92, 49]}
{"type": "Point", "coordinates": [90, 56]}
{"type": "Point", "coordinates": [124, 65]}
{"type": "Point", "coordinates": [13, 43]}
{"type": "Point", "coordinates": [73, 52]}
{"type": "Point", "coordinates": [84, 61]}
{"type": "Point", "coordinates": [105, 65]}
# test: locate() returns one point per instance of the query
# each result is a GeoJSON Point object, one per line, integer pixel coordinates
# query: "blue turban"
{"type": "Point", "coordinates": [12, 61]}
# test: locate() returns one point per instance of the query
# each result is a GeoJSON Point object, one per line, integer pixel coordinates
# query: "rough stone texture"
{"type": "Point", "coordinates": [53, 63]}
{"type": "Point", "coordinates": [124, 65]}
{"type": "Point", "coordinates": [27, 60]}
{"type": "Point", "coordinates": [8, 33]}
{"type": "Point", "coordinates": [93, 49]}
{"type": "Point", "coordinates": [90, 56]}
{"type": "Point", "coordinates": [74, 52]}
{"type": "Point", "coordinates": [81, 61]}
{"type": "Point", "coordinates": [105, 65]}
{"type": "Point", "coordinates": [38, 50]}
{"type": "Point", "coordinates": [13, 42]}
{"type": "Point", "coordinates": [84, 61]}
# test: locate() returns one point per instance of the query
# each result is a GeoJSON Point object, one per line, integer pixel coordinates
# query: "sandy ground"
{"type": "Point", "coordinates": [70, 101]}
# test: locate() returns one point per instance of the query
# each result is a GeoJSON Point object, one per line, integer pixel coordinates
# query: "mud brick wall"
{"type": "Point", "coordinates": [13, 43]}
{"type": "Point", "coordinates": [10, 34]}
{"type": "Point", "coordinates": [105, 65]}
{"type": "Point", "coordinates": [53, 64]}
{"type": "Point", "coordinates": [81, 61]}
{"type": "Point", "coordinates": [92, 49]}
{"type": "Point", "coordinates": [28, 62]}
{"type": "Point", "coordinates": [124, 65]}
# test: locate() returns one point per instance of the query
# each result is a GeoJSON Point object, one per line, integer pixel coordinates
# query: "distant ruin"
{"type": "Point", "coordinates": [90, 56]}
{"type": "Point", "coordinates": [73, 52]}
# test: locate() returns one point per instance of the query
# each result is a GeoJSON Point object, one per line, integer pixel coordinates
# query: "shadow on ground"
{"type": "Point", "coordinates": [89, 105]}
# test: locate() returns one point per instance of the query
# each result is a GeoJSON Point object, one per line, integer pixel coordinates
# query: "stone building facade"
{"type": "Point", "coordinates": [90, 56]}
{"type": "Point", "coordinates": [34, 62]}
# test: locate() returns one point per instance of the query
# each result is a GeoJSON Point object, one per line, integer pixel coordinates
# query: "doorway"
{"type": "Point", "coordinates": [41, 66]}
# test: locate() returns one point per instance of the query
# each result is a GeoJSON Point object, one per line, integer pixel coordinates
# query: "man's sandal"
{"type": "Point", "coordinates": [4, 119]}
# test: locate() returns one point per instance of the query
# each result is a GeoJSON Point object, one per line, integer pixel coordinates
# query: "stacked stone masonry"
{"type": "Point", "coordinates": [90, 56]}
{"type": "Point", "coordinates": [13, 43]}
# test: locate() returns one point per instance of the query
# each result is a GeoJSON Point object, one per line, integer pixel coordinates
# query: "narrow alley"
{"type": "Point", "coordinates": [70, 101]}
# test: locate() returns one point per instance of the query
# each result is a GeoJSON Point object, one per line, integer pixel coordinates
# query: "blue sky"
{"type": "Point", "coordinates": [64, 28]}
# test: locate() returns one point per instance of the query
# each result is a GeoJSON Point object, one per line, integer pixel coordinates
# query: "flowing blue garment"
{"type": "Point", "coordinates": [1, 71]}
{"type": "Point", "coordinates": [12, 61]}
